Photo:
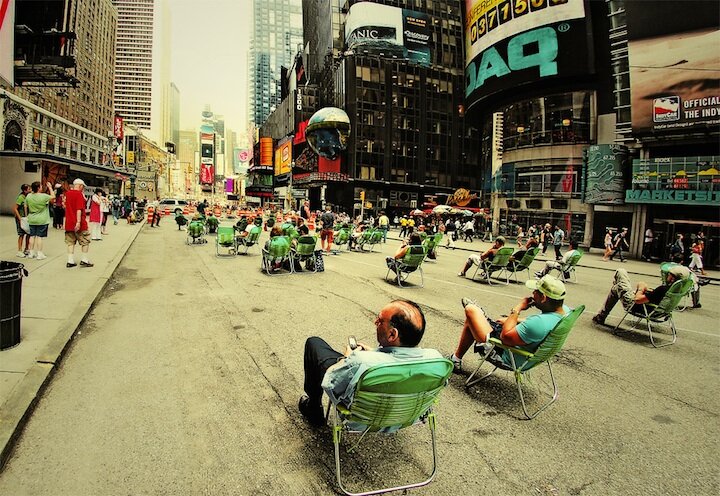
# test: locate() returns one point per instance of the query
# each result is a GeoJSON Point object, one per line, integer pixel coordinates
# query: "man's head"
{"type": "Point", "coordinates": [79, 184]}
{"type": "Point", "coordinates": [499, 242]}
{"type": "Point", "coordinates": [572, 244]}
{"type": "Point", "coordinates": [548, 293]}
{"type": "Point", "coordinates": [35, 186]}
{"type": "Point", "coordinates": [24, 188]}
{"type": "Point", "coordinates": [328, 208]}
{"type": "Point", "coordinates": [677, 273]}
{"type": "Point", "coordinates": [400, 323]}
{"type": "Point", "coordinates": [415, 239]}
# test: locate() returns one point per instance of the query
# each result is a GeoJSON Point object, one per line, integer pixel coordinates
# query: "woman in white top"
{"type": "Point", "coordinates": [105, 209]}
{"type": "Point", "coordinates": [608, 243]}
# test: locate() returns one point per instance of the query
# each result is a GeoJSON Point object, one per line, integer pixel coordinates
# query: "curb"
{"type": "Point", "coordinates": [22, 401]}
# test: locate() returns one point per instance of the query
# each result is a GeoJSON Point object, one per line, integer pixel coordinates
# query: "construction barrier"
{"type": "Point", "coordinates": [150, 215]}
{"type": "Point", "coordinates": [186, 210]}
{"type": "Point", "coordinates": [167, 210]}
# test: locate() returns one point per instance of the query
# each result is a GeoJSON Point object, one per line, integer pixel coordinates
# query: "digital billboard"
{"type": "Point", "coordinates": [604, 178]}
{"type": "Point", "coordinates": [675, 180]}
{"type": "Point", "coordinates": [283, 157]}
{"type": "Point", "coordinates": [674, 65]}
{"type": "Point", "coordinates": [511, 43]}
{"type": "Point", "coordinates": [388, 31]}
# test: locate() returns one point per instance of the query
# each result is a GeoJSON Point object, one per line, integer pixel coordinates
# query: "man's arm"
{"type": "Point", "coordinates": [509, 334]}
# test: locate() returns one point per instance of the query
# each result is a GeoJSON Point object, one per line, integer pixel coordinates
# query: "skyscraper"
{"type": "Point", "coordinates": [277, 32]}
{"type": "Point", "coordinates": [134, 61]}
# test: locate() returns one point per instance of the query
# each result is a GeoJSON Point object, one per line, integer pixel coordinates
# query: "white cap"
{"type": "Point", "coordinates": [78, 181]}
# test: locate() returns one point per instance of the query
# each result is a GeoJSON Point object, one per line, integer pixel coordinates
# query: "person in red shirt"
{"type": "Point", "coordinates": [76, 226]}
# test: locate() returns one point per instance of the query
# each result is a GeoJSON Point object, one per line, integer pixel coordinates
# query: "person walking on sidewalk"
{"type": "Point", "coordinates": [105, 209]}
{"type": "Point", "coordinates": [384, 224]}
{"type": "Point", "coordinates": [558, 238]}
{"type": "Point", "coordinates": [96, 215]}
{"type": "Point", "coordinates": [20, 210]}
{"type": "Point", "coordinates": [58, 208]}
{"type": "Point", "coordinates": [620, 243]}
{"type": "Point", "coordinates": [38, 217]}
{"type": "Point", "coordinates": [76, 226]}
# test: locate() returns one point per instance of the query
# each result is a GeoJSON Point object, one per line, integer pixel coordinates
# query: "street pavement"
{"type": "Point", "coordinates": [184, 375]}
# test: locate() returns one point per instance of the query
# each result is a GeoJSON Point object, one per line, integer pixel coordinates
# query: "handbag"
{"type": "Point", "coordinates": [24, 224]}
{"type": "Point", "coordinates": [319, 262]}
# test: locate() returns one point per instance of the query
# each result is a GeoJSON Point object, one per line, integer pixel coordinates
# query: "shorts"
{"type": "Point", "coordinates": [326, 234]}
{"type": "Point", "coordinates": [82, 238]}
{"type": "Point", "coordinates": [39, 231]}
{"type": "Point", "coordinates": [19, 229]}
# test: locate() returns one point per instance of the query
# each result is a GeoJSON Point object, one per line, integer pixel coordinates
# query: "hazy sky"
{"type": "Point", "coordinates": [210, 40]}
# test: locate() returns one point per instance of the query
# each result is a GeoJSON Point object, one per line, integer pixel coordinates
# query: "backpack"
{"type": "Point", "coordinates": [327, 219]}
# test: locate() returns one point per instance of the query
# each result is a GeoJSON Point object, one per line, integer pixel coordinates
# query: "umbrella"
{"type": "Point", "coordinates": [479, 214]}
{"type": "Point", "coordinates": [417, 212]}
{"type": "Point", "coordinates": [442, 209]}
{"type": "Point", "coordinates": [467, 213]}
{"type": "Point", "coordinates": [453, 211]}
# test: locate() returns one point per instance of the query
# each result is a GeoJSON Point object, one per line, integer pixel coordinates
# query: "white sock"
{"type": "Point", "coordinates": [455, 359]}
{"type": "Point", "coordinates": [71, 259]}
{"type": "Point", "coordinates": [85, 260]}
{"type": "Point", "coordinates": [32, 254]}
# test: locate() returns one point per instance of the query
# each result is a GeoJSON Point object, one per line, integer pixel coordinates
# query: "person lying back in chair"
{"type": "Point", "coordinates": [557, 264]}
{"type": "Point", "coordinates": [548, 296]}
{"type": "Point", "coordinates": [634, 299]}
{"type": "Point", "coordinates": [413, 240]}
{"type": "Point", "coordinates": [478, 259]}
{"type": "Point", "coordinates": [399, 327]}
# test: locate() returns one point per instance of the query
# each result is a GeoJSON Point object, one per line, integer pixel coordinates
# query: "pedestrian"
{"type": "Point", "coordinates": [546, 238]}
{"type": "Point", "coordinates": [648, 244]}
{"type": "Point", "coordinates": [38, 217]}
{"type": "Point", "coordinates": [158, 214]}
{"type": "Point", "coordinates": [487, 235]}
{"type": "Point", "coordinates": [451, 234]}
{"type": "Point", "coordinates": [58, 208]}
{"type": "Point", "coordinates": [76, 226]}
{"type": "Point", "coordinates": [468, 230]}
{"type": "Point", "coordinates": [384, 224]}
{"type": "Point", "coordinates": [403, 226]}
{"type": "Point", "coordinates": [696, 259]}
{"type": "Point", "coordinates": [558, 238]}
{"type": "Point", "coordinates": [116, 206]}
{"type": "Point", "coordinates": [619, 244]}
{"type": "Point", "coordinates": [105, 209]}
{"type": "Point", "coordinates": [95, 215]}
{"type": "Point", "coordinates": [608, 244]}
{"type": "Point", "coordinates": [677, 249]}
{"type": "Point", "coordinates": [520, 236]}
{"type": "Point", "coordinates": [20, 211]}
{"type": "Point", "coordinates": [326, 235]}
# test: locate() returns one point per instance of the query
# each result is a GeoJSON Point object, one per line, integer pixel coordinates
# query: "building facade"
{"type": "Point", "coordinates": [277, 32]}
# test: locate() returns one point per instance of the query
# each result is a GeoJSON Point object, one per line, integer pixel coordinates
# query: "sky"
{"type": "Point", "coordinates": [210, 40]}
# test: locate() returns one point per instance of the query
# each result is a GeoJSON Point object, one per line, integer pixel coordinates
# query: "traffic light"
{"type": "Point", "coordinates": [362, 196]}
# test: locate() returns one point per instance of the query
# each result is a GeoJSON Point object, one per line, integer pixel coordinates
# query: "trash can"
{"type": "Point", "coordinates": [11, 274]}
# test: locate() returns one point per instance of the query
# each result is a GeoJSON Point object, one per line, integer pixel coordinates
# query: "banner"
{"type": "Point", "coordinates": [118, 128]}
{"type": "Point", "coordinates": [283, 157]}
{"type": "Point", "coordinates": [7, 41]}
{"type": "Point", "coordinates": [389, 32]}
{"type": "Point", "coordinates": [604, 178]}
{"type": "Point", "coordinates": [510, 43]}
{"type": "Point", "coordinates": [266, 151]}
{"type": "Point", "coordinates": [674, 65]}
{"type": "Point", "coordinates": [207, 173]}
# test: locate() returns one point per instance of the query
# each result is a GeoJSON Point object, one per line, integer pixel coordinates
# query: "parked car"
{"type": "Point", "coordinates": [173, 204]}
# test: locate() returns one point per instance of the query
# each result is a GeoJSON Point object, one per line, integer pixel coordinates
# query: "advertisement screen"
{"type": "Point", "coordinates": [283, 157]}
{"type": "Point", "coordinates": [206, 173]}
{"type": "Point", "coordinates": [389, 32]}
{"type": "Point", "coordinates": [674, 65]}
{"type": "Point", "coordinates": [604, 165]}
{"type": "Point", "coordinates": [510, 43]}
{"type": "Point", "coordinates": [675, 180]}
{"type": "Point", "coordinates": [266, 151]}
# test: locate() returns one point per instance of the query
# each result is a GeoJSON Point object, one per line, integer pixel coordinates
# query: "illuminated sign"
{"type": "Point", "coordinates": [283, 157]}
{"type": "Point", "coordinates": [687, 180]}
{"type": "Point", "coordinates": [604, 165]}
{"type": "Point", "coordinates": [511, 43]}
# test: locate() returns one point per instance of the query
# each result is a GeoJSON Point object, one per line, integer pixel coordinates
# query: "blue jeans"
{"type": "Point", "coordinates": [384, 229]}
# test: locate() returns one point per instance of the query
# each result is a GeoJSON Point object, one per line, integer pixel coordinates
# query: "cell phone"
{"type": "Point", "coordinates": [352, 342]}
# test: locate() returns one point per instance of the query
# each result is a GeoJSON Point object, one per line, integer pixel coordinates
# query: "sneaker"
{"type": "Point", "coordinates": [68, 265]}
{"type": "Point", "coordinates": [696, 306]}
{"type": "Point", "coordinates": [31, 255]}
{"type": "Point", "coordinates": [467, 301]}
{"type": "Point", "coordinates": [313, 414]}
{"type": "Point", "coordinates": [538, 274]}
{"type": "Point", "coordinates": [457, 364]}
{"type": "Point", "coordinates": [460, 274]}
{"type": "Point", "coordinates": [599, 320]}
{"type": "Point", "coordinates": [41, 256]}
{"type": "Point", "coordinates": [86, 264]}
{"type": "Point", "coordinates": [21, 254]}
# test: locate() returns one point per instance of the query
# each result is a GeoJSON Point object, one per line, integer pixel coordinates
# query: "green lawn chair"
{"type": "Point", "coordinates": [431, 243]}
{"type": "Point", "coordinates": [342, 238]}
{"type": "Point", "coordinates": [305, 252]}
{"type": "Point", "coordinates": [246, 242]}
{"type": "Point", "coordinates": [195, 232]}
{"type": "Point", "coordinates": [370, 237]}
{"type": "Point", "coordinates": [387, 398]}
{"type": "Point", "coordinates": [567, 269]}
{"type": "Point", "coordinates": [277, 258]}
{"type": "Point", "coordinates": [498, 263]}
{"type": "Point", "coordinates": [662, 312]}
{"type": "Point", "coordinates": [524, 263]}
{"type": "Point", "coordinates": [225, 241]}
{"type": "Point", "coordinates": [411, 262]}
{"type": "Point", "coordinates": [551, 345]}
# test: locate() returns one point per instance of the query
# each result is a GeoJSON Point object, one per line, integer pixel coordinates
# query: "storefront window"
{"type": "Point", "coordinates": [550, 120]}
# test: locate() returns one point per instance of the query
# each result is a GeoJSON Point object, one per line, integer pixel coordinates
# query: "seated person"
{"type": "Point", "coordinates": [633, 300]}
{"type": "Point", "coordinates": [399, 327]}
{"type": "Point", "coordinates": [274, 233]}
{"type": "Point", "coordinates": [356, 234]}
{"type": "Point", "coordinates": [249, 227]}
{"type": "Point", "coordinates": [548, 296]}
{"type": "Point", "coordinates": [478, 259]}
{"type": "Point", "coordinates": [557, 264]}
{"type": "Point", "coordinates": [242, 223]}
{"type": "Point", "coordinates": [518, 255]}
{"type": "Point", "coordinates": [413, 240]}
{"type": "Point", "coordinates": [302, 229]}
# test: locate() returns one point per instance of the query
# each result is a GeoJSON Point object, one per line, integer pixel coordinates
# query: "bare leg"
{"type": "Point", "coordinates": [475, 328]}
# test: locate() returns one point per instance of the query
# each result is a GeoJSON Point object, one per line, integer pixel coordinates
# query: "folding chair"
{"type": "Point", "coordinates": [247, 241]}
{"type": "Point", "coordinates": [499, 262]}
{"type": "Point", "coordinates": [524, 263]}
{"type": "Point", "coordinates": [430, 244]}
{"type": "Point", "coordinates": [662, 312]}
{"type": "Point", "coordinates": [375, 237]}
{"type": "Point", "coordinates": [389, 397]}
{"type": "Point", "coordinates": [364, 238]}
{"type": "Point", "coordinates": [277, 255]}
{"type": "Point", "coordinates": [411, 262]}
{"type": "Point", "coordinates": [552, 344]}
{"type": "Point", "coordinates": [305, 252]}
{"type": "Point", "coordinates": [567, 269]}
{"type": "Point", "coordinates": [225, 238]}
{"type": "Point", "coordinates": [342, 238]}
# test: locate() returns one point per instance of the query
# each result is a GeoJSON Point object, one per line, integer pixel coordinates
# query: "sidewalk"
{"type": "Point", "coordinates": [55, 300]}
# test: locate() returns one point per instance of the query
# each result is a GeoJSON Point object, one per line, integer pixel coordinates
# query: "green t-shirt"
{"type": "Point", "coordinates": [38, 213]}
{"type": "Point", "coordinates": [533, 330]}
{"type": "Point", "coordinates": [20, 201]}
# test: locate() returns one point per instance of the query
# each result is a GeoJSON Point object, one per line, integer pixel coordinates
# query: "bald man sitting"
{"type": "Point", "coordinates": [399, 327]}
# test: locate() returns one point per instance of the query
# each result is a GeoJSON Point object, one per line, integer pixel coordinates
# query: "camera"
{"type": "Point", "coordinates": [352, 342]}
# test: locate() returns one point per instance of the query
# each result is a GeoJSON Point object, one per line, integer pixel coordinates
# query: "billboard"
{"type": "Point", "coordinates": [604, 165]}
{"type": "Point", "coordinates": [7, 41]}
{"type": "Point", "coordinates": [675, 180]}
{"type": "Point", "coordinates": [241, 158]}
{"type": "Point", "coordinates": [207, 172]}
{"type": "Point", "coordinates": [511, 43]}
{"type": "Point", "coordinates": [388, 31]}
{"type": "Point", "coordinates": [674, 65]}
{"type": "Point", "coordinates": [283, 157]}
{"type": "Point", "coordinates": [266, 151]}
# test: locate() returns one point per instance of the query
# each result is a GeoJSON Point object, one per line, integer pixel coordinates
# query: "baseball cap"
{"type": "Point", "coordinates": [501, 239]}
{"type": "Point", "coordinates": [78, 181]}
{"type": "Point", "coordinates": [548, 285]}
{"type": "Point", "coordinates": [679, 272]}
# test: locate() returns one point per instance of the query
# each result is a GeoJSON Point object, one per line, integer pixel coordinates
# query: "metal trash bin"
{"type": "Point", "coordinates": [11, 274]}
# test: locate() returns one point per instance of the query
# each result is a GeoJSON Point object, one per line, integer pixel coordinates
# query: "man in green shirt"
{"type": "Point", "coordinates": [38, 217]}
{"type": "Point", "coordinates": [19, 211]}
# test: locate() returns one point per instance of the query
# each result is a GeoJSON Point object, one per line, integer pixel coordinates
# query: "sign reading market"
{"type": "Point", "coordinates": [688, 180]}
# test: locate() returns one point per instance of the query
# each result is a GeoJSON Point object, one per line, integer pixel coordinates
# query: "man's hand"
{"type": "Point", "coordinates": [524, 304]}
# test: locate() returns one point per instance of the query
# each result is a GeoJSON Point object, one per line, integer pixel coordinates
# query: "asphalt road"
{"type": "Point", "coordinates": [185, 378]}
